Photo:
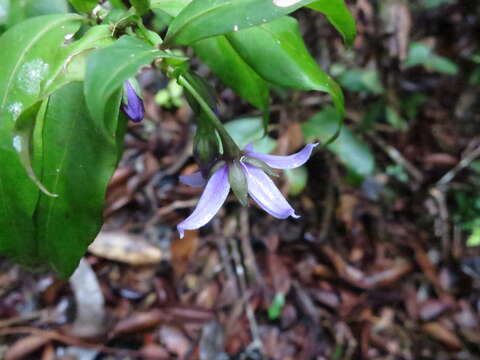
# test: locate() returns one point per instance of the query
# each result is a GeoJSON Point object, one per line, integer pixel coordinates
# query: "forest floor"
{"type": "Point", "coordinates": [384, 267]}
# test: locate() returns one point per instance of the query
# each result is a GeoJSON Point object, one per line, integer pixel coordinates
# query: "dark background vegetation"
{"type": "Point", "coordinates": [382, 265]}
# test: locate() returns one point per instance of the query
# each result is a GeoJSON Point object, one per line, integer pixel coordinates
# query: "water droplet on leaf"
{"type": "Point", "coordinates": [30, 76]}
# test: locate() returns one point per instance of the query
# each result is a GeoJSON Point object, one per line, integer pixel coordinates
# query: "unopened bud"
{"type": "Point", "coordinates": [132, 103]}
{"type": "Point", "coordinates": [206, 148]}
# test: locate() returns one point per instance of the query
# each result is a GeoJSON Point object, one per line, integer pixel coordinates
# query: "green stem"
{"type": "Point", "coordinates": [230, 148]}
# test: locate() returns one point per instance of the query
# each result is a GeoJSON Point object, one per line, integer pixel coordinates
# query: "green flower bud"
{"type": "Point", "coordinates": [206, 148]}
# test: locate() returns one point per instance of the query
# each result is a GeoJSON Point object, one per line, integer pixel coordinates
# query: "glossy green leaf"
{"type": "Point", "coordinates": [170, 7]}
{"type": "Point", "coordinates": [339, 16]}
{"type": "Point", "coordinates": [28, 50]}
{"type": "Point", "coordinates": [78, 162]}
{"type": "Point", "coordinates": [352, 151]}
{"type": "Point", "coordinates": [108, 68]}
{"type": "Point", "coordinates": [226, 63]}
{"type": "Point", "coordinates": [205, 18]}
{"type": "Point", "coordinates": [70, 66]}
{"type": "Point", "coordinates": [20, 10]}
{"type": "Point", "coordinates": [24, 142]}
{"type": "Point", "coordinates": [250, 131]}
{"type": "Point", "coordinates": [279, 55]}
{"type": "Point", "coordinates": [46, 7]}
{"type": "Point", "coordinates": [84, 6]}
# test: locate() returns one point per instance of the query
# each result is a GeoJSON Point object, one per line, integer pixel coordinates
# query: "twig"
{"type": "Point", "coordinates": [20, 319]}
{"type": "Point", "coordinates": [328, 208]}
{"type": "Point", "coordinates": [442, 222]}
{"type": "Point", "coordinates": [56, 336]}
{"type": "Point", "coordinates": [176, 205]}
{"type": "Point", "coordinates": [242, 279]}
{"type": "Point", "coordinates": [250, 262]}
{"type": "Point", "coordinates": [397, 156]}
{"type": "Point", "coordinates": [465, 162]}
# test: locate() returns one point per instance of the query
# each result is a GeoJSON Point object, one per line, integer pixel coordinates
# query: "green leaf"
{"type": "Point", "coordinates": [29, 50]}
{"type": "Point", "coordinates": [421, 54]}
{"type": "Point", "coordinates": [359, 80]}
{"type": "Point", "coordinates": [353, 152]}
{"type": "Point", "coordinates": [205, 18]}
{"type": "Point", "coordinates": [338, 14]}
{"type": "Point", "coordinates": [24, 142]}
{"type": "Point", "coordinates": [4, 11]}
{"type": "Point", "coordinates": [170, 7]}
{"type": "Point", "coordinates": [78, 162]}
{"type": "Point", "coordinates": [118, 4]}
{"type": "Point", "coordinates": [297, 180]}
{"type": "Point", "coordinates": [275, 309]}
{"type": "Point", "coordinates": [69, 66]}
{"type": "Point", "coordinates": [250, 131]}
{"type": "Point", "coordinates": [20, 10]}
{"type": "Point", "coordinates": [395, 119]}
{"type": "Point", "coordinates": [46, 7]}
{"type": "Point", "coordinates": [226, 63]}
{"type": "Point", "coordinates": [108, 68]}
{"type": "Point", "coordinates": [84, 6]}
{"type": "Point", "coordinates": [141, 6]}
{"type": "Point", "coordinates": [474, 238]}
{"type": "Point", "coordinates": [280, 56]}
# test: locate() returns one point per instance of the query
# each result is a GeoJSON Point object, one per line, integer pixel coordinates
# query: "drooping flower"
{"type": "Point", "coordinates": [132, 103]}
{"type": "Point", "coordinates": [259, 186]}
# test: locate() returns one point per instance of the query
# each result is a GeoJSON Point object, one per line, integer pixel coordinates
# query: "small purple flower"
{"type": "Point", "coordinates": [260, 187]}
{"type": "Point", "coordinates": [133, 104]}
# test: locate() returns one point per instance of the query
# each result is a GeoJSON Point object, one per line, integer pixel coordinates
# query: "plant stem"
{"type": "Point", "coordinates": [230, 148]}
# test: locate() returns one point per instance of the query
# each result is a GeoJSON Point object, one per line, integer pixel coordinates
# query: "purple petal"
{"type": "Point", "coordinates": [286, 162]}
{"type": "Point", "coordinates": [134, 108]}
{"type": "Point", "coordinates": [213, 197]}
{"type": "Point", "coordinates": [248, 147]}
{"type": "Point", "coordinates": [193, 180]}
{"type": "Point", "coordinates": [262, 189]}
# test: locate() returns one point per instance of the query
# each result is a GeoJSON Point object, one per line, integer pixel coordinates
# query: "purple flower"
{"type": "Point", "coordinates": [260, 187]}
{"type": "Point", "coordinates": [133, 104]}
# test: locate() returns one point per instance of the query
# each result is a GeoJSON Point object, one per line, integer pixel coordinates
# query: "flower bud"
{"type": "Point", "coordinates": [132, 103]}
{"type": "Point", "coordinates": [238, 181]}
{"type": "Point", "coordinates": [206, 148]}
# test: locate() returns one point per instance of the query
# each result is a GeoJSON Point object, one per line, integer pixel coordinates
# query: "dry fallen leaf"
{"type": "Point", "coordinates": [125, 247]}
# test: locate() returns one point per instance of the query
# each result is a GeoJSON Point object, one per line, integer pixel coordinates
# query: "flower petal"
{"type": "Point", "coordinates": [213, 197]}
{"type": "Point", "coordinates": [286, 162]}
{"type": "Point", "coordinates": [262, 189]}
{"type": "Point", "coordinates": [193, 180]}
{"type": "Point", "coordinates": [248, 147]}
